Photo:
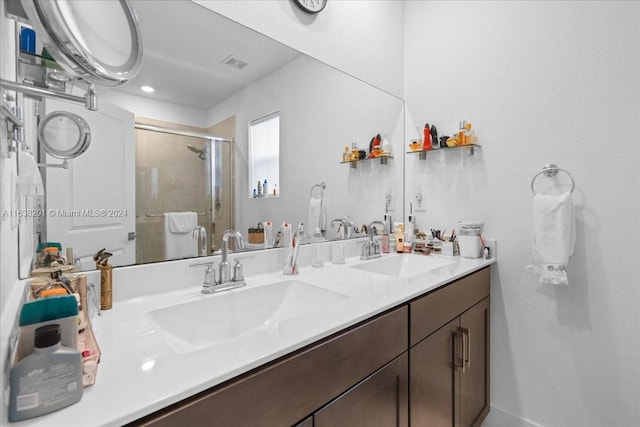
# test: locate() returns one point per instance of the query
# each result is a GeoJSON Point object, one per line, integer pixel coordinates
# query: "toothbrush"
{"type": "Point", "coordinates": [294, 257]}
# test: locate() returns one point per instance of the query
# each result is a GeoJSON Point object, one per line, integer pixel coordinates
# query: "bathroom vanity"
{"type": "Point", "coordinates": [428, 357]}
{"type": "Point", "coordinates": [401, 340]}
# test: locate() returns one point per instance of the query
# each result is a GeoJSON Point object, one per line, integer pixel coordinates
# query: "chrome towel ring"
{"type": "Point", "coordinates": [550, 170]}
{"type": "Point", "coordinates": [321, 186]}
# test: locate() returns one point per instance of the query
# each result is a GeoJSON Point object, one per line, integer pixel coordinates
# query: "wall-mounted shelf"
{"type": "Point", "coordinates": [469, 149]}
{"type": "Point", "coordinates": [354, 163]}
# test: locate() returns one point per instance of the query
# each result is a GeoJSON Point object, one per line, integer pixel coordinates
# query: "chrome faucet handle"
{"type": "Point", "coordinates": [238, 272]}
{"type": "Point", "coordinates": [209, 276]}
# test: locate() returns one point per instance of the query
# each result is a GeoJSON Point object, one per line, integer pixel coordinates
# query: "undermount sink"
{"type": "Point", "coordinates": [404, 266]}
{"type": "Point", "coordinates": [213, 319]}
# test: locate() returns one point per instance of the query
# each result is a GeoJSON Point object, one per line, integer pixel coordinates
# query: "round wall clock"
{"type": "Point", "coordinates": [311, 6]}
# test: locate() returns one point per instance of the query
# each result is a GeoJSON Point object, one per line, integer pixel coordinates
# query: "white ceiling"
{"type": "Point", "coordinates": [184, 44]}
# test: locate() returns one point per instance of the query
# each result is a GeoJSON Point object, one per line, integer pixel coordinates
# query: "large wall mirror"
{"type": "Point", "coordinates": [212, 78]}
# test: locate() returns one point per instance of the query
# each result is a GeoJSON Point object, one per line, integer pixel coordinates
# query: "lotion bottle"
{"type": "Point", "coordinates": [48, 379]}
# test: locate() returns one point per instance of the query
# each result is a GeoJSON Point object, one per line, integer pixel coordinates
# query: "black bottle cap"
{"type": "Point", "coordinates": [47, 335]}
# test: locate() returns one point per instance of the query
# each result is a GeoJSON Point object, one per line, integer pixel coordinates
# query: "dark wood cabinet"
{"type": "Point", "coordinates": [378, 401]}
{"type": "Point", "coordinates": [449, 382]}
{"type": "Point", "coordinates": [431, 385]}
{"type": "Point", "coordinates": [473, 381]}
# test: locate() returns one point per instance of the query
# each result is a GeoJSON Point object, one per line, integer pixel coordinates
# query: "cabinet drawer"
{"type": "Point", "coordinates": [430, 312]}
{"type": "Point", "coordinates": [283, 393]}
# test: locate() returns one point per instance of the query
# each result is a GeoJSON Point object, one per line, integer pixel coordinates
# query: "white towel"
{"type": "Point", "coordinates": [554, 227]}
{"type": "Point", "coordinates": [313, 219]}
{"type": "Point", "coordinates": [179, 241]}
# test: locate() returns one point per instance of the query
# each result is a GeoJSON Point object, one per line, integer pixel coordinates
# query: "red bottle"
{"type": "Point", "coordinates": [426, 144]}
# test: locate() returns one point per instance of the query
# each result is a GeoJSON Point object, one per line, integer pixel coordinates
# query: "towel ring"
{"type": "Point", "coordinates": [550, 170]}
{"type": "Point", "coordinates": [321, 186]}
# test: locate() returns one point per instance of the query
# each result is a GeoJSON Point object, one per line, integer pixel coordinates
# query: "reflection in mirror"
{"type": "Point", "coordinates": [64, 135]}
{"type": "Point", "coordinates": [264, 156]}
{"type": "Point", "coordinates": [117, 193]}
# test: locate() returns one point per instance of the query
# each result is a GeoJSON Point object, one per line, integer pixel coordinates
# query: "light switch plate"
{"type": "Point", "coordinates": [492, 244]}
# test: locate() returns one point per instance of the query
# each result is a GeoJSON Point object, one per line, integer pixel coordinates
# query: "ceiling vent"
{"type": "Point", "coordinates": [235, 62]}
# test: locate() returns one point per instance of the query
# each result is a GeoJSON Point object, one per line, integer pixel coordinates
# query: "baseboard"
{"type": "Point", "coordinates": [500, 418]}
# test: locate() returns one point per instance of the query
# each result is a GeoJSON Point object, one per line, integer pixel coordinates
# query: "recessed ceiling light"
{"type": "Point", "coordinates": [147, 89]}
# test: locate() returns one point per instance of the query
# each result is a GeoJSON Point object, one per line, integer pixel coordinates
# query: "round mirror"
{"type": "Point", "coordinates": [97, 40]}
{"type": "Point", "coordinates": [64, 135]}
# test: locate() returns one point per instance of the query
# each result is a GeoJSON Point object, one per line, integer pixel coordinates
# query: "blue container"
{"type": "Point", "coordinates": [27, 40]}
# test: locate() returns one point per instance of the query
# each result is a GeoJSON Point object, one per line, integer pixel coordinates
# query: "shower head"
{"type": "Point", "coordinates": [198, 151]}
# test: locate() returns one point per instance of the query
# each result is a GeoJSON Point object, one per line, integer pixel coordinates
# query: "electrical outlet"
{"type": "Point", "coordinates": [492, 244]}
{"type": "Point", "coordinates": [420, 200]}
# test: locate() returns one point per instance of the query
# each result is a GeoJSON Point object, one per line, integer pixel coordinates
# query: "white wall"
{"type": "Point", "coordinates": [155, 109]}
{"type": "Point", "coordinates": [362, 38]}
{"type": "Point", "coordinates": [542, 82]}
{"type": "Point", "coordinates": [316, 122]}
{"type": "Point", "coordinates": [8, 236]}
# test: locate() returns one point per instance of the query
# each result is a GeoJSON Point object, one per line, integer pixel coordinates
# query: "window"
{"type": "Point", "coordinates": [264, 156]}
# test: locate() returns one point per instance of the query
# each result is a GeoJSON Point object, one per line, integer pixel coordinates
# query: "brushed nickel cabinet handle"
{"type": "Point", "coordinates": [466, 347]}
{"type": "Point", "coordinates": [458, 362]}
{"type": "Point", "coordinates": [467, 332]}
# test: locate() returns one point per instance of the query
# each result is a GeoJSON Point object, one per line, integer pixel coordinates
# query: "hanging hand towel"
{"type": "Point", "coordinates": [179, 241]}
{"type": "Point", "coordinates": [554, 228]}
{"type": "Point", "coordinates": [314, 219]}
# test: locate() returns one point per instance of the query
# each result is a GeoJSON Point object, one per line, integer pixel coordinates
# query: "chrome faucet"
{"type": "Point", "coordinates": [210, 284]}
{"type": "Point", "coordinates": [371, 249]}
{"type": "Point", "coordinates": [345, 225]}
{"type": "Point", "coordinates": [225, 268]}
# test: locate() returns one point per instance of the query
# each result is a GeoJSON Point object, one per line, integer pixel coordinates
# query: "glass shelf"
{"type": "Point", "coordinates": [354, 163]}
{"type": "Point", "coordinates": [469, 148]}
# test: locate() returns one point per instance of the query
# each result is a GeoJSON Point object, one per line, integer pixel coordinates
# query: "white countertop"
{"type": "Point", "coordinates": [140, 373]}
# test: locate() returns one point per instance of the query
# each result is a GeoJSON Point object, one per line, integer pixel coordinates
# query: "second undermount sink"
{"type": "Point", "coordinates": [404, 266]}
{"type": "Point", "coordinates": [213, 319]}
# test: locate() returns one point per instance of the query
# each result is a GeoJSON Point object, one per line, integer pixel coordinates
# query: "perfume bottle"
{"type": "Point", "coordinates": [354, 152]}
{"type": "Point", "coordinates": [426, 142]}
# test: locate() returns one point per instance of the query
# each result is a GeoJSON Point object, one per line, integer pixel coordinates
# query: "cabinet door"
{"type": "Point", "coordinates": [473, 381]}
{"type": "Point", "coordinates": [380, 400]}
{"type": "Point", "coordinates": [431, 386]}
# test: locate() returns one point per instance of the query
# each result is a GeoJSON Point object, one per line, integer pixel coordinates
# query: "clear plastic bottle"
{"type": "Point", "coordinates": [386, 146]}
{"type": "Point", "coordinates": [317, 261]}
